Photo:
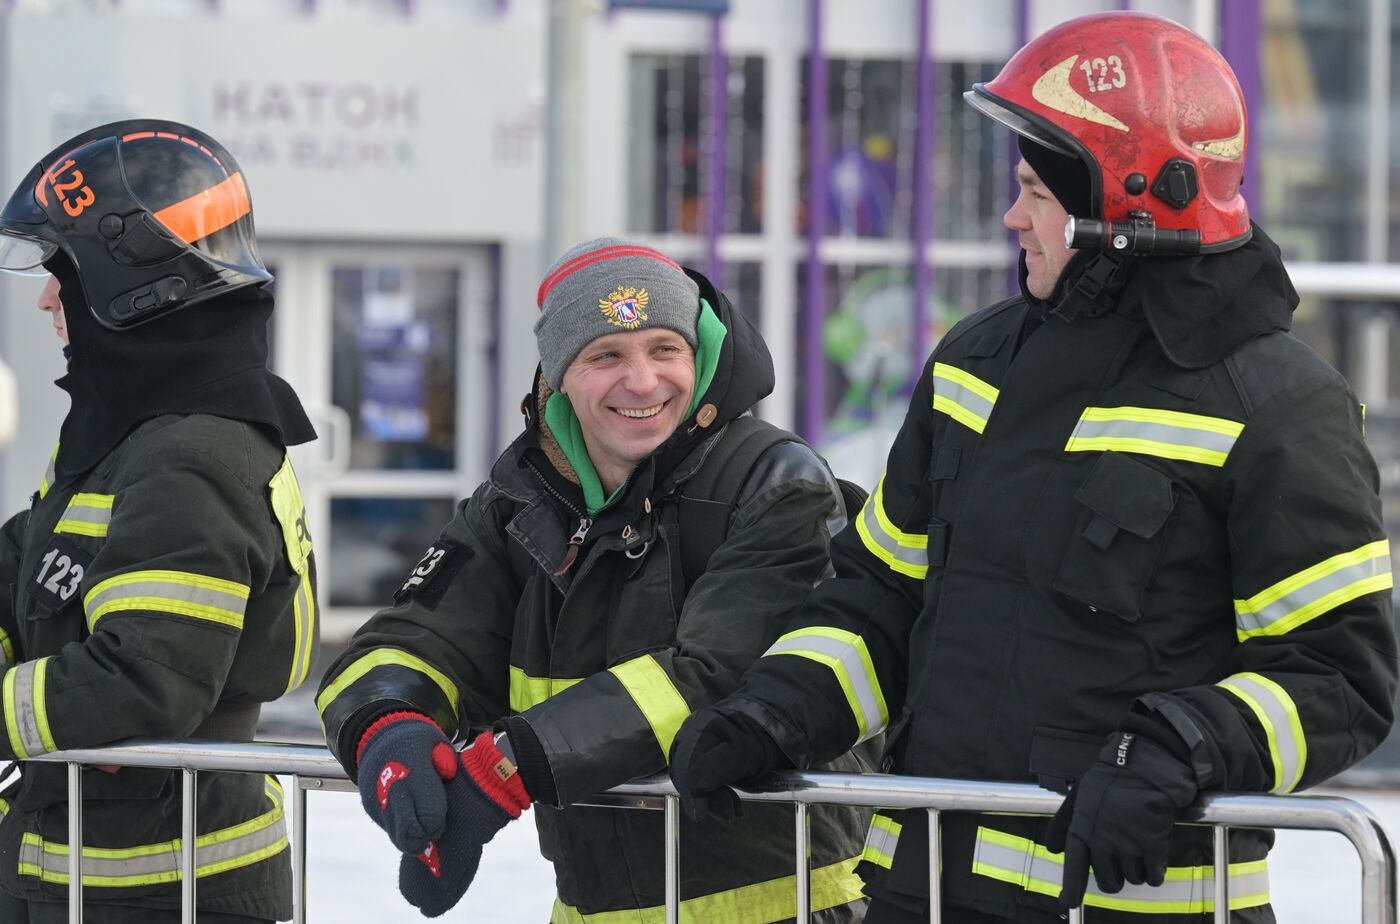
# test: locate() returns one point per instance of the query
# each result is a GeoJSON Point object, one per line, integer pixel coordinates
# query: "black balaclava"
{"type": "Point", "coordinates": [1091, 281]}
{"type": "Point", "coordinates": [1066, 177]}
{"type": "Point", "coordinates": [209, 358]}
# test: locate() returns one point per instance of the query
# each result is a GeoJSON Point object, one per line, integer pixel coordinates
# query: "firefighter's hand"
{"type": "Point", "coordinates": [481, 800]}
{"type": "Point", "coordinates": [713, 750]}
{"type": "Point", "coordinates": [404, 762]}
{"type": "Point", "coordinates": [1118, 818]}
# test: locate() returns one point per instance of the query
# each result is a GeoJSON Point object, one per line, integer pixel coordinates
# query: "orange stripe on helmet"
{"type": "Point", "coordinates": [204, 213]}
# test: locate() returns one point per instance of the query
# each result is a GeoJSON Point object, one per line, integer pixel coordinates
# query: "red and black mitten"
{"type": "Point", "coordinates": [480, 802]}
{"type": "Point", "coordinates": [404, 763]}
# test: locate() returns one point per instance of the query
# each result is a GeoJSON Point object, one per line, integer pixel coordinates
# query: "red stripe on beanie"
{"type": "Point", "coordinates": [597, 256]}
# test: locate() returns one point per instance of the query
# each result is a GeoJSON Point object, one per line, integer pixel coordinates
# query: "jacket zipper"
{"type": "Point", "coordinates": [575, 543]}
{"type": "Point", "coordinates": [580, 532]}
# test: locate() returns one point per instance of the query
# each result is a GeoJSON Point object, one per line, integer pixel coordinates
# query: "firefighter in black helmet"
{"type": "Point", "coordinates": [162, 582]}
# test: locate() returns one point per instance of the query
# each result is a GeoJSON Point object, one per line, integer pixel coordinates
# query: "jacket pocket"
{"type": "Point", "coordinates": [1110, 556]}
{"type": "Point", "coordinates": [1059, 757]}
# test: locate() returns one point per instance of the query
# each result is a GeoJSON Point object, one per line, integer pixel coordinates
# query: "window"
{"type": "Point", "coordinates": [671, 144]}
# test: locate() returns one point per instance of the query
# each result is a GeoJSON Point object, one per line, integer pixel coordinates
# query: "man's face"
{"type": "Point", "coordinates": [630, 391]}
{"type": "Point", "coordinates": [50, 302]}
{"type": "Point", "coordinates": [1039, 222]}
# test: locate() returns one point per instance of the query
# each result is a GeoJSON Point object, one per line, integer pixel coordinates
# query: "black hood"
{"type": "Point", "coordinates": [1200, 308]}
{"type": "Point", "coordinates": [743, 377]}
{"type": "Point", "coordinates": [1203, 308]}
{"type": "Point", "coordinates": [210, 358]}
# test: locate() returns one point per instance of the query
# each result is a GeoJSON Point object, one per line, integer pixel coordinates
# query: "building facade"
{"type": "Point", "coordinates": [410, 182]}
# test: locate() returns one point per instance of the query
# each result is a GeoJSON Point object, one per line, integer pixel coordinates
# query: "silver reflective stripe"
{"type": "Point", "coordinates": [304, 611]}
{"type": "Point", "coordinates": [169, 591]}
{"type": "Point", "coordinates": [139, 866]}
{"type": "Point", "coordinates": [26, 721]}
{"type": "Point", "coordinates": [1155, 432]}
{"type": "Point", "coordinates": [48, 474]}
{"type": "Point", "coordinates": [1187, 889]}
{"type": "Point", "coordinates": [882, 538]}
{"type": "Point", "coordinates": [962, 396]}
{"type": "Point", "coordinates": [1278, 715]}
{"type": "Point", "coordinates": [87, 515]}
{"type": "Point", "coordinates": [881, 840]}
{"type": "Point", "coordinates": [850, 668]}
{"type": "Point", "coordinates": [1314, 591]}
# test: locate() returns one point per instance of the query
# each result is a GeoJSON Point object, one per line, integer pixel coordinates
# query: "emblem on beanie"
{"type": "Point", "coordinates": [625, 307]}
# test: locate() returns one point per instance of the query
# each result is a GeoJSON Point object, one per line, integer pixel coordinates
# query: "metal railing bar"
{"type": "Point", "coordinates": [1220, 835]}
{"type": "Point", "coordinates": [803, 864]}
{"type": "Point", "coordinates": [673, 860]}
{"type": "Point", "coordinates": [75, 843]}
{"type": "Point", "coordinates": [298, 852]}
{"type": "Point", "coordinates": [935, 868]}
{"type": "Point", "coordinates": [188, 837]}
{"type": "Point", "coordinates": [1301, 812]}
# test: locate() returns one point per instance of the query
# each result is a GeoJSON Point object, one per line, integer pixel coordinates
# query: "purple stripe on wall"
{"type": "Point", "coordinates": [719, 147]}
{"type": "Point", "coordinates": [813, 384]}
{"type": "Point", "coordinates": [1241, 35]}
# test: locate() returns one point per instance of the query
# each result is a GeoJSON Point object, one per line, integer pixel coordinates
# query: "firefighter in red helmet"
{"type": "Point", "coordinates": [162, 581]}
{"type": "Point", "coordinates": [1128, 543]}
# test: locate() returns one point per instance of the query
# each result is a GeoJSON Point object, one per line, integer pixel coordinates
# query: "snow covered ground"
{"type": "Point", "coordinates": [1315, 876]}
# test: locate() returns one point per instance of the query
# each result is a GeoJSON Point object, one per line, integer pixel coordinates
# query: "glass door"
{"type": "Point", "coordinates": [388, 347]}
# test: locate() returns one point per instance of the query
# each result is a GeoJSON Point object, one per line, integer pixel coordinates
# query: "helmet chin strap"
{"type": "Point", "coordinates": [1099, 284]}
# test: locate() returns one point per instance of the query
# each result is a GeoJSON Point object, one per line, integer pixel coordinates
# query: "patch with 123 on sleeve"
{"type": "Point", "coordinates": [59, 575]}
{"type": "Point", "coordinates": [433, 574]}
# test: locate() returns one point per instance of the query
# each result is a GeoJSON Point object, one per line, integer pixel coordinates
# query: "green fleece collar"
{"type": "Point", "coordinates": [559, 413]}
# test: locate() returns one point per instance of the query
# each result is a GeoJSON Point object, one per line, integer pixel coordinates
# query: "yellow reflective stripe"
{"type": "Point", "coordinates": [1278, 714]}
{"type": "Point", "coordinates": [304, 620]}
{"type": "Point", "coordinates": [1185, 889]}
{"type": "Point", "coordinates": [86, 515]}
{"type": "Point", "coordinates": [527, 691]}
{"type": "Point", "coordinates": [655, 694]}
{"type": "Point", "coordinates": [179, 592]}
{"type": "Point", "coordinates": [47, 481]}
{"type": "Point", "coordinates": [385, 657]}
{"type": "Point", "coordinates": [849, 659]}
{"type": "Point", "coordinates": [152, 864]}
{"type": "Point", "coordinates": [7, 650]}
{"type": "Point", "coordinates": [759, 903]}
{"type": "Point", "coordinates": [904, 553]}
{"type": "Point", "coordinates": [1155, 432]}
{"type": "Point", "coordinates": [962, 396]}
{"type": "Point", "coordinates": [1304, 596]}
{"type": "Point", "coordinates": [290, 510]}
{"type": "Point", "coordinates": [26, 709]}
{"type": "Point", "coordinates": [4, 807]}
{"type": "Point", "coordinates": [881, 841]}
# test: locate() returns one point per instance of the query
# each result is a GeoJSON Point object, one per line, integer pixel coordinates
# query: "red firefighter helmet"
{"type": "Point", "coordinates": [1151, 109]}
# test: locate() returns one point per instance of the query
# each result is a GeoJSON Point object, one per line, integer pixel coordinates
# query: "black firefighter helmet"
{"type": "Point", "coordinates": [154, 216]}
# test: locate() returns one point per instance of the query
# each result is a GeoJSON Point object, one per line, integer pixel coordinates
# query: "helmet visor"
{"type": "Point", "coordinates": [984, 103]}
{"type": "Point", "coordinates": [24, 255]}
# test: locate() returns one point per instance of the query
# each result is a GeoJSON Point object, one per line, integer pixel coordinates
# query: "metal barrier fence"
{"type": "Point", "coordinates": [312, 767]}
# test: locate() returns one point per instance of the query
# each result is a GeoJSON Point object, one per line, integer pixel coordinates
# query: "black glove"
{"type": "Point", "coordinates": [403, 760]}
{"type": "Point", "coordinates": [480, 802]}
{"type": "Point", "coordinates": [713, 750]}
{"type": "Point", "coordinates": [1119, 817]}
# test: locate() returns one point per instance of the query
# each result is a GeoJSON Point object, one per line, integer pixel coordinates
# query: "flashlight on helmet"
{"type": "Point", "coordinates": [1139, 236]}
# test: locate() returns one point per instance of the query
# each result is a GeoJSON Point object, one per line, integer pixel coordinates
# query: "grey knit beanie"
{"type": "Point", "coordinates": [606, 286]}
